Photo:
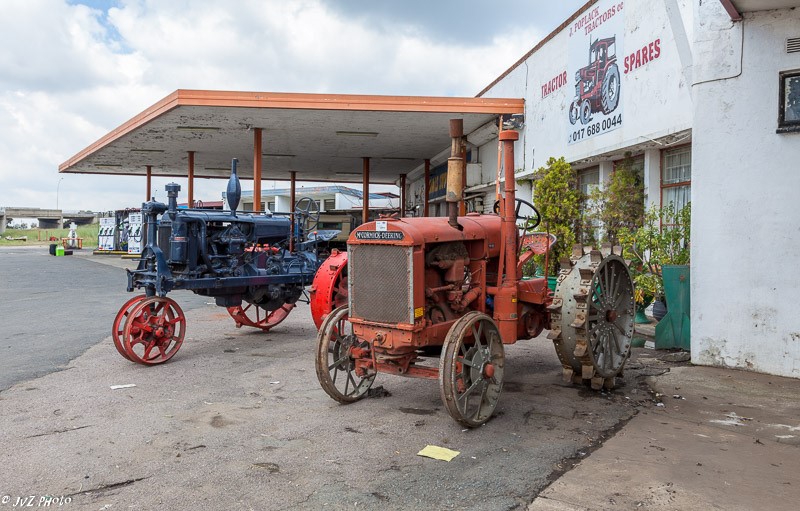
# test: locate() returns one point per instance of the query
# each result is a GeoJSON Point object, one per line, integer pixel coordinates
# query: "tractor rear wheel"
{"type": "Point", "coordinates": [610, 89]}
{"type": "Point", "coordinates": [258, 317]}
{"type": "Point", "coordinates": [592, 316]}
{"type": "Point", "coordinates": [335, 363]}
{"type": "Point", "coordinates": [471, 369]}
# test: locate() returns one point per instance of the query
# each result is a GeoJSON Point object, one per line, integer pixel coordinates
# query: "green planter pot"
{"type": "Point", "coordinates": [674, 330]}
{"type": "Point", "coordinates": [551, 283]}
{"type": "Point", "coordinates": [641, 318]}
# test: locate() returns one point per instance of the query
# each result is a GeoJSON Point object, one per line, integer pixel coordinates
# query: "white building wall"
{"type": "Point", "coordinates": [283, 204]}
{"type": "Point", "coordinates": [745, 234]}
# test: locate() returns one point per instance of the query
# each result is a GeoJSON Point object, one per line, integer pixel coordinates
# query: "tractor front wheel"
{"type": "Point", "coordinates": [337, 349]}
{"type": "Point", "coordinates": [574, 111]}
{"type": "Point", "coordinates": [154, 331]}
{"type": "Point", "coordinates": [586, 111]}
{"type": "Point", "coordinates": [471, 369]}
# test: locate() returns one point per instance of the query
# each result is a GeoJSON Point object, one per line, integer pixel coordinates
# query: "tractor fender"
{"type": "Point", "coordinates": [328, 286]}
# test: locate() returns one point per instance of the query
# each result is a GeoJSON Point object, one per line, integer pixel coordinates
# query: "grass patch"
{"type": "Point", "coordinates": [42, 236]}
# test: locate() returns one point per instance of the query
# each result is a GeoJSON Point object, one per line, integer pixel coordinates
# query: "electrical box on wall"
{"type": "Point", "coordinates": [474, 174]}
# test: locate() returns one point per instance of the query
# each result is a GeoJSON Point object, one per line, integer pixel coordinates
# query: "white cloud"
{"type": "Point", "coordinates": [72, 73]}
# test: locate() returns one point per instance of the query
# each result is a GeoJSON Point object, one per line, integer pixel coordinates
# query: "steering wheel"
{"type": "Point", "coordinates": [309, 208]}
{"type": "Point", "coordinates": [536, 218]}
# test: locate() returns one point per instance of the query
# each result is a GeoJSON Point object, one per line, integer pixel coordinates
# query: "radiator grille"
{"type": "Point", "coordinates": [793, 45]}
{"type": "Point", "coordinates": [380, 281]}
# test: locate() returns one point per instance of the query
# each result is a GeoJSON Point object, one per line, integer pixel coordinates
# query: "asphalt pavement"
{"type": "Point", "coordinates": [52, 309]}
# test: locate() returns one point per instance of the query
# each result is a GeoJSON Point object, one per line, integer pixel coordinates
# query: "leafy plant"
{"type": "Point", "coordinates": [620, 204]}
{"type": "Point", "coordinates": [558, 201]}
{"type": "Point", "coordinates": [663, 239]}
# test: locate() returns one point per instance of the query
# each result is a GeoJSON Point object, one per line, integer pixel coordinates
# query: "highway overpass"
{"type": "Point", "coordinates": [48, 218]}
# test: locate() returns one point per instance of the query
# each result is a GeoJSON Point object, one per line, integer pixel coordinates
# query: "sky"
{"type": "Point", "coordinates": [73, 70]}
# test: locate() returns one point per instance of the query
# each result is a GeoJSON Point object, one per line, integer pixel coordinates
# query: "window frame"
{"type": "Point", "coordinates": [785, 126]}
{"type": "Point", "coordinates": [663, 166]}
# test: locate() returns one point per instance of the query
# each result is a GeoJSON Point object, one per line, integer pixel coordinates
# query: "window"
{"type": "Point", "coordinates": [789, 114]}
{"type": "Point", "coordinates": [676, 177]}
{"type": "Point", "coordinates": [588, 181]}
{"type": "Point", "coordinates": [271, 206]}
{"type": "Point", "coordinates": [330, 204]}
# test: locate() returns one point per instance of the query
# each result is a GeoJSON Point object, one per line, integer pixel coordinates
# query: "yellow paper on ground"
{"type": "Point", "coordinates": [438, 453]}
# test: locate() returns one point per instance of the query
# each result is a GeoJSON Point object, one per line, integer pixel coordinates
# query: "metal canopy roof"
{"type": "Point", "coordinates": [320, 136]}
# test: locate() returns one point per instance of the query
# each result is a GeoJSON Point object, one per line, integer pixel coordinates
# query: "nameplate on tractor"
{"type": "Point", "coordinates": [379, 235]}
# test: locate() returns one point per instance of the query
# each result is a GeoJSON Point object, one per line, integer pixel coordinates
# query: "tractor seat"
{"type": "Point", "coordinates": [538, 242]}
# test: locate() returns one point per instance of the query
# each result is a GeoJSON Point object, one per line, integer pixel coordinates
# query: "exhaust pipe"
{"type": "Point", "coordinates": [455, 173]}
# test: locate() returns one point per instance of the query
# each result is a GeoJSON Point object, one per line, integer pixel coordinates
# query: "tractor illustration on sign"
{"type": "Point", "coordinates": [596, 85]}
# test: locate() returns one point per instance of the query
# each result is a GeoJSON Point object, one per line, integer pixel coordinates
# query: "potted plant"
{"type": "Point", "coordinates": [558, 201]}
{"type": "Point", "coordinates": [660, 255]}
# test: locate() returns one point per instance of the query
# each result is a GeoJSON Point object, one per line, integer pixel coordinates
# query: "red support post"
{"type": "Point", "coordinates": [257, 163]}
{"type": "Point", "coordinates": [149, 183]}
{"type": "Point", "coordinates": [190, 191]}
{"type": "Point", "coordinates": [402, 195]}
{"type": "Point", "coordinates": [365, 188]}
{"type": "Point", "coordinates": [426, 188]}
{"type": "Point", "coordinates": [292, 200]}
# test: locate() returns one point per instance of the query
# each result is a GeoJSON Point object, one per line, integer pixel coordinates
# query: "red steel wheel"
{"type": "Point", "coordinates": [154, 331]}
{"type": "Point", "coordinates": [257, 317]}
{"type": "Point", "coordinates": [118, 328]}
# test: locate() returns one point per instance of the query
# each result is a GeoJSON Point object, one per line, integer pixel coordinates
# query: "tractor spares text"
{"type": "Point", "coordinates": [439, 298]}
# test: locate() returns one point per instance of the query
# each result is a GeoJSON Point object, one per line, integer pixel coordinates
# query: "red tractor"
{"type": "Point", "coordinates": [438, 298]}
{"type": "Point", "coordinates": [596, 85]}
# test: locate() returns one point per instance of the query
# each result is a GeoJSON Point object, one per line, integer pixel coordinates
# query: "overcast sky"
{"type": "Point", "coordinates": [71, 71]}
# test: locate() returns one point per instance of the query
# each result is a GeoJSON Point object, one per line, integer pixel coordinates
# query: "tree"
{"type": "Point", "coordinates": [556, 197]}
{"type": "Point", "coordinates": [620, 204]}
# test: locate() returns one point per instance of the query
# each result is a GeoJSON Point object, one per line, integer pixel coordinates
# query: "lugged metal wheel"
{"type": "Point", "coordinates": [335, 362]}
{"type": "Point", "coordinates": [118, 327]}
{"type": "Point", "coordinates": [258, 317]}
{"type": "Point", "coordinates": [592, 316]}
{"type": "Point", "coordinates": [154, 331]}
{"type": "Point", "coordinates": [471, 369]}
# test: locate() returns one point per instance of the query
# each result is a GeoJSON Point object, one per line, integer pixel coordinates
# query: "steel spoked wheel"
{"type": "Point", "coordinates": [471, 369]}
{"type": "Point", "coordinates": [154, 331]}
{"type": "Point", "coordinates": [258, 317]}
{"type": "Point", "coordinates": [611, 311]}
{"type": "Point", "coordinates": [118, 327]}
{"type": "Point", "coordinates": [337, 350]}
{"type": "Point", "coordinates": [592, 316]}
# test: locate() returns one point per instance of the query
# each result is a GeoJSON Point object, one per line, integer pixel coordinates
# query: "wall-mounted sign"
{"type": "Point", "coordinates": [553, 85]}
{"type": "Point", "coordinates": [647, 53]}
{"type": "Point", "coordinates": [437, 182]}
{"type": "Point", "coordinates": [594, 46]}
